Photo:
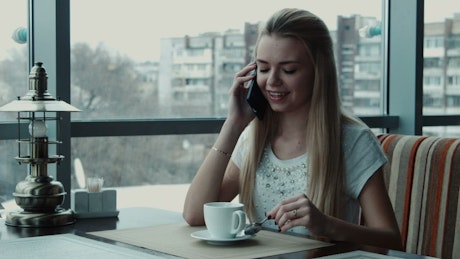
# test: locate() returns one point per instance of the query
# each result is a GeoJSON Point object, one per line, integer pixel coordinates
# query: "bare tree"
{"type": "Point", "coordinates": [103, 84]}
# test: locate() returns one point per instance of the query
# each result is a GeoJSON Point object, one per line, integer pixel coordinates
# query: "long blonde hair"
{"type": "Point", "coordinates": [326, 169]}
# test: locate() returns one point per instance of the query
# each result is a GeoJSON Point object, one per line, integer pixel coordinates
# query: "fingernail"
{"type": "Point", "coordinates": [269, 217]}
{"type": "Point", "coordinates": [279, 229]}
{"type": "Point", "coordinates": [276, 223]}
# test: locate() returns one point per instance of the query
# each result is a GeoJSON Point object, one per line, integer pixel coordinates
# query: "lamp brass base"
{"type": "Point", "coordinates": [60, 217]}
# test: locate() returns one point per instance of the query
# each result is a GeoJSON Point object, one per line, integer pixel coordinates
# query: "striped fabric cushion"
{"type": "Point", "coordinates": [456, 252]}
{"type": "Point", "coordinates": [423, 178]}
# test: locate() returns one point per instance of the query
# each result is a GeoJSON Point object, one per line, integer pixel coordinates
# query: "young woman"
{"type": "Point", "coordinates": [307, 164]}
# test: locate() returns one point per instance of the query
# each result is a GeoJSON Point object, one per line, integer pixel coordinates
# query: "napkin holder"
{"type": "Point", "coordinates": [101, 204]}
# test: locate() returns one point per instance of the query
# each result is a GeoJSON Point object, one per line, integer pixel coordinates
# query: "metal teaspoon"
{"type": "Point", "coordinates": [255, 227]}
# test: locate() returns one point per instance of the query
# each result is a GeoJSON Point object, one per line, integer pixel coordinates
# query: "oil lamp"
{"type": "Point", "coordinates": [39, 196]}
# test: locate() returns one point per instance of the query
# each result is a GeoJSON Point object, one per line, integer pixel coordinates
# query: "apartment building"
{"type": "Point", "coordinates": [441, 73]}
{"type": "Point", "coordinates": [195, 77]}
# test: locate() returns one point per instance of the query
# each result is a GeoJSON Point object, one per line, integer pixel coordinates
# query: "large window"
{"type": "Point", "coordinates": [441, 70]}
{"type": "Point", "coordinates": [177, 59]}
{"type": "Point", "coordinates": [13, 83]}
{"type": "Point", "coordinates": [161, 61]}
{"type": "Point", "coordinates": [13, 52]}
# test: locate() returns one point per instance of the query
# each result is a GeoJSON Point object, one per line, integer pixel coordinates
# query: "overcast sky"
{"type": "Point", "coordinates": [134, 27]}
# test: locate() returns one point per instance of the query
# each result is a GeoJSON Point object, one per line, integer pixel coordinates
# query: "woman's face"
{"type": "Point", "coordinates": [285, 73]}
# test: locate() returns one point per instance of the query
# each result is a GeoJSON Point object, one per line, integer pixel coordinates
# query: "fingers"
{"type": "Point", "coordinates": [292, 212]}
{"type": "Point", "coordinates": [239, 110]}
{"type": "Point", "coordinates": [299, 220]}
{"type": "Point", "coordinates": [244, 75]}
{"type": "Point", "coordinates": [245, 71]}
{"type": "Point", "coordinates": [285, 205]}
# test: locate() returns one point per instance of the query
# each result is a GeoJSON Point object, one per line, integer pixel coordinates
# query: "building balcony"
{"type": "Point", "coordinates": [453, 90]}
{"type": "Point", "coordinates": [433, 52]}
{"type": "Point", "coordinates": [192, 74]}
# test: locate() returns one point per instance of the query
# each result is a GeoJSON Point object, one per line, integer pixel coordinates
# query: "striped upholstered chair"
{"type": "Point", "coordinates": [423, 178]}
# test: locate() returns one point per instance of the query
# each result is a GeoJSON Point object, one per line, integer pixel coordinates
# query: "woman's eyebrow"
{"type": "Point", "coordinates": [281, 63]}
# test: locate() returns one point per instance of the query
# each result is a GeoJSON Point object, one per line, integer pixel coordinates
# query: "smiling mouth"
{"type": "Point", "coordinates": [276, 95]}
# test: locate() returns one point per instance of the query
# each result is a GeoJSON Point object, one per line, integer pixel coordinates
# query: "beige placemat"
{"type": "Point", "coordinates": [175, 239]}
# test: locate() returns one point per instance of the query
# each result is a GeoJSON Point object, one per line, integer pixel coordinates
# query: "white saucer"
{"type": "Point", "coordinates": [204, 235]}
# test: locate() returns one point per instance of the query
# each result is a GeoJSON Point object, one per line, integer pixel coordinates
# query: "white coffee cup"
{"type": "Point", "coordinates": [224, 219]}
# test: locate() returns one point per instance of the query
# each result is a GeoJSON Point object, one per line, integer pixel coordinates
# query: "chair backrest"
{"type": "Point", "coordinates": [422, 179]}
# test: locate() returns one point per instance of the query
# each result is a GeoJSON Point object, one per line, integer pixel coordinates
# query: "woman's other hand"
{"type": "Point", "coordinates": [299, 211]}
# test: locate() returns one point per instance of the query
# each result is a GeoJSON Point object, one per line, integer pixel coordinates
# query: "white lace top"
{"type": "Point", "coordinates": [278, 179]}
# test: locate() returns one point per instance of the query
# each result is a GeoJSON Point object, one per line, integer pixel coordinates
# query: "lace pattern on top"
{"type": "Point", "coordinates": [277, 180]}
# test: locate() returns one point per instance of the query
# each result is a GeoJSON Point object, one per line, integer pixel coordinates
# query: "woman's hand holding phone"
{"type": "Point", "coordinates": [256, 99]}
{"type": "Point", "coordinates": [240, 114]}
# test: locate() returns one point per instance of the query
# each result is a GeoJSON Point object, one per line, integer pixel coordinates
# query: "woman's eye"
{"type": "Point", "coordinates": [263, 70]}
{"type": "Point", "coordinates": [289, 71]}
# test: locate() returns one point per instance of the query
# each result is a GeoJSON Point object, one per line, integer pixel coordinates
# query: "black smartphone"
{"type": "Point", "coordinates": [256, 99]}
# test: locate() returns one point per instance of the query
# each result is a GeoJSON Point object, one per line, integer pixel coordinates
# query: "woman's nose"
{"type": "Point", "coordinates": [273, 78]}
